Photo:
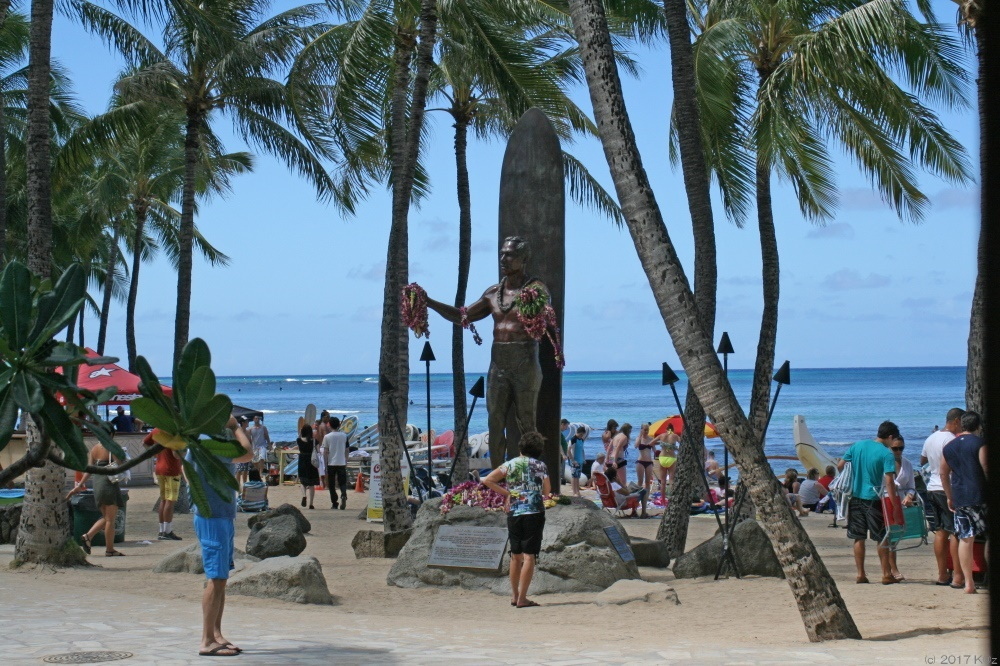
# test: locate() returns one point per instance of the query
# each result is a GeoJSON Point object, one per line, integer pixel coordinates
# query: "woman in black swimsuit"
{"type": "Point", "coordinates": [644, 465]}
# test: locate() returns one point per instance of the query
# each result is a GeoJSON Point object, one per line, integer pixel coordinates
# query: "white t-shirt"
{"type": "Point", "coordinates": [933, 447]}
{"type": "Point", "coordinates": [597, 467]}
{"type": "Point", "coordinates": [336, 448]}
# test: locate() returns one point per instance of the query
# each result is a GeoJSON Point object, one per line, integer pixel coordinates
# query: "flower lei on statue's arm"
{"type": "Point", "coordinates": [413, 307]}
{"type": "Point", "coordinates": [464, 312]}
{"type": "Point", "coordinates": [539, 318]}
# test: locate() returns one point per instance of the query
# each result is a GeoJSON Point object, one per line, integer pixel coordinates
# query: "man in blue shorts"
{"type": "Point", "coordinates": [872, 468]}
{"type": "Point", "coordinates": [216, 534]}
{"type": "Point", "coordinates": [963, 474]}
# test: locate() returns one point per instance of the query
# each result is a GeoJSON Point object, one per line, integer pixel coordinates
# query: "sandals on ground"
{"type": "Point", "coordinates": [113, 553]}
{"type": "Point", "coordinates": [86, 544]}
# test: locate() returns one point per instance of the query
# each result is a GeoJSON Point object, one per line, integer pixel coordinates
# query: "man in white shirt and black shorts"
{"type": "Point", "coordinates": [941, 517]}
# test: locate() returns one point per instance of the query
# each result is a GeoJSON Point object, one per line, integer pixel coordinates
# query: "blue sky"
{"type": "Point", "coordinates": [303, 292]}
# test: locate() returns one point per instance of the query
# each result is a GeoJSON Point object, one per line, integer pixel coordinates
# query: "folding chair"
{"type": "Point", "coordinates": [914, 527]}
{"type": "Point", "coordinates": [610, 500]}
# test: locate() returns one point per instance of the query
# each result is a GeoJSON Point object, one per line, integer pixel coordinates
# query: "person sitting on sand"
{"type": "Point", "coordinates": [790, 485]}
{"type": "Point", "coordinates": [598, 466]}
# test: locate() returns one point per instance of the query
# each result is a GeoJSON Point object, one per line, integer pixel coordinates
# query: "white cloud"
{"type": "Point", "coordinates": [848, 279]}
{"type": "Point", "coordinates": [834, 230]}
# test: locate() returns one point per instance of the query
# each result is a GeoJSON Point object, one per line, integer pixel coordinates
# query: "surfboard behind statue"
{"type": "Point", "coordinates": [533, 205]}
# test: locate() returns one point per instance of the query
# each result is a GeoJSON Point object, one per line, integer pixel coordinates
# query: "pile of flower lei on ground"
{"type": "Point", "coordinates": [474, 493]}
{"type": "Point", "coordinates": [539, 318]}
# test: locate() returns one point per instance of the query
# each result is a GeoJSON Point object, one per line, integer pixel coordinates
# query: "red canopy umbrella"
{"type": "Point", "coordinates": [99, 377]}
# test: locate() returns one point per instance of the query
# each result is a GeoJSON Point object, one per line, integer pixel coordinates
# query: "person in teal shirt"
{"type": "Point", "coordinates": [872, 467]}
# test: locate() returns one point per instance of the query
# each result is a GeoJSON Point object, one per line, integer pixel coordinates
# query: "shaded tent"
{"type": "Point", "coordinates": [246, 412]}
{"type": "Point", "coordinates": [99, 377]}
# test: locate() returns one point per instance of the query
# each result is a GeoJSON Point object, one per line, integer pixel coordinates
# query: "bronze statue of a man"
{"type": "Point", "coordinates": [515, 375]}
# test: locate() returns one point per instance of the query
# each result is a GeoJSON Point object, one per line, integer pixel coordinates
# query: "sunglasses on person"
{"type": "Point", "coordinates": [897, 448]}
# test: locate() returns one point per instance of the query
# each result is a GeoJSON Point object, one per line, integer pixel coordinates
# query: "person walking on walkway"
{"type": "Point", "coordinates": [963, 474]}
{"type": "Point", "coordinates": [872, 468]}
{"type": "Point", "coordinates": [942, 521]}
{"type": "Point", "coordinates": [335, 448]}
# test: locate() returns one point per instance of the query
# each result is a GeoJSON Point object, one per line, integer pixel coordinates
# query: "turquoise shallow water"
{"type": "Point", "coordinates": [841, 405]}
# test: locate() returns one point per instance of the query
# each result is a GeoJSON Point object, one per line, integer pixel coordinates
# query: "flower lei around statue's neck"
{"type": "Point", "coordinates": [413, 307]}
{"type": "Point", "coordinates": [538, 317]}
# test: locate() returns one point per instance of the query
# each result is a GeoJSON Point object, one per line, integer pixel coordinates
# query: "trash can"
{"type": "Point", "coordinates": [86, 513]}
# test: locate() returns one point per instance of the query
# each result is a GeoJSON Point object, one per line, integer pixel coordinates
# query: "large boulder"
{"type": "Point", "coordinates": [576, 556]}
{"type": "Point", "coordinates": [296, 579]}
{"type": "Point", "coordinates": [277, 537]}
{"type": "Point", "coordinates": [376, 543]}
{"type": "Point", "coordinates": [284, 510]}
{"type": "Point", "coordinates": [751, 547]}
{"type": "Point", "coordinates": [650, 553]}
{"type": "Point", "coordinates": [188, 560]}
{"type": "Point", "coordinates": [10, 519]}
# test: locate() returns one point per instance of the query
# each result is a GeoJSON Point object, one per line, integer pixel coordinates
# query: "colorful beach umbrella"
{"type": "Point", "coordinates": [660, 427]}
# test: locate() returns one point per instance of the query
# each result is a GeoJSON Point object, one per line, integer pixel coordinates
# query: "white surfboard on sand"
{"type": "Point", "coordinates": [809, 451]}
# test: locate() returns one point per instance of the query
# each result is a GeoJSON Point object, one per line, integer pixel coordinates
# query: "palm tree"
{"type": "Point", "coordinates": [780, 63]}
{"type": "Point", "coordinates": [971, 16]}
{"type": "Point", "coordinates": [823, 610]}
{"type": "Point", "coordinates": [215, 58]}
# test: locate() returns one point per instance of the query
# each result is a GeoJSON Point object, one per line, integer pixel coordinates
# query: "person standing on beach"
{"type": "Point", "coordinates": [515, 375]}
{"type": "Point", "coordinates": [872, 468]}
{"type": "Point", "coordinates": [619, 449]}
{"type": "Point", "coordinates": [527, 484]}
{"type": "Point", "coordinates": [216, 535]}
{"type": "Point", "coordinates": [942, 521]}
{"type": "Point", "coordinates": [261, 439]}
{"type": "Point", "coordinates": [335, 450]}
{"type": "Point", "coordinates": [576, 458]}
{"type": "Point", "coordinates": [963, 474]}
{"type": "Point", "coordinates": [167, 473]}
{"type": "Point", "coordinates": [906, 490]}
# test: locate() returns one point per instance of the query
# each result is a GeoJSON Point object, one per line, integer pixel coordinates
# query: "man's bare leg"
{"type": "Point", "coordinates": [966, 548]}
{"type": "Point", "coordinates": [942, 542]}
{"type": "Point", "coordinates": [883, 560]}
{"type": "Point", "coordinates": [527, 572]}
{"type": "Point", "coordinates": [957, 572]}
{"type": "Point", "coordinates": [859, 559]}
{"type": "Point", "coordinates": [516, 561]}
{"type": "Point", "coordinates": [213, 601]}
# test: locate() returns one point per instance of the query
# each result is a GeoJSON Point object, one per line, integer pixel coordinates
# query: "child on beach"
{"type": "Point", "coordinates": [575, 456]}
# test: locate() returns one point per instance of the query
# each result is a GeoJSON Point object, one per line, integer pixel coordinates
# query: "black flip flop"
{"type": "Point", "coordinates": [218, 650]}
{"type": "Point", "coordinates": [530, 604]}
{"type": "Point", "coordinates": [943, 583]}
{"type": "Point", "coordinates": [86, 544]}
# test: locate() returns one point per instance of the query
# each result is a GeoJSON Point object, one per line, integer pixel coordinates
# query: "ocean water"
{"type": "Point", "coordinates": [841, 405]}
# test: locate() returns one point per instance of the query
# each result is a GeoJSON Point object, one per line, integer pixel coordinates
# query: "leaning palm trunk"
{"type": "Point", "coordinates": [974, 375]}
{"type": "Point", "coordinates": [823, 610]}
{"type": "Point", "coordinates": [674, 527]}
{"type": "Point", "coordinates": [4, 8]}
{"type": "Point", "coordinates": [760, 393]}
{"type": "Point", "coordinates": [44, 532]}
{"type": "Point", "coordinates": [133, 286]}
{"type": "Point", "coordinates": [464, 261]}
{"type": "Point", "coordinates": [394, 353]}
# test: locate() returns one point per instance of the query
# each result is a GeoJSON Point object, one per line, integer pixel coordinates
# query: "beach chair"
{"type": "Point", "coordinates": [914, 528]}
{"type": "Point", "coordinates": [608, 498]}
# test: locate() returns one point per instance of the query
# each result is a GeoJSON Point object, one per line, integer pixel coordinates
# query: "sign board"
{"type": "Point", "coordinates": [468, 547]}
{"type": "Point", "coordinates": [620, 544]}
{"type": "Point", "coordinates": [374, 514]}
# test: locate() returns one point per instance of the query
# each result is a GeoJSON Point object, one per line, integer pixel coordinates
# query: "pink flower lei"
{"type": "Point", "coordinates": [464, 312]}
{"type": "Point", "coordinates": [539, 318]}
{"type": "Point", "coordinates": [413, 308]}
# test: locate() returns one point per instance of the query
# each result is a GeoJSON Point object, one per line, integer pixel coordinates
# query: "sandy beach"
{"type": "Point", "coordinates": [118, 604]}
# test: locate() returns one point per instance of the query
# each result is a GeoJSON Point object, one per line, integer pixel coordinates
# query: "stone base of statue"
{"type": "Point", "coordinates": [576, 556]}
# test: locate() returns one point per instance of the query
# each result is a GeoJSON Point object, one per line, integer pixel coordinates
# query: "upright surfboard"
{"type": "Point", "coordinates": [533, 205]}
{"type": "Point", "coordinates": [808, 450]}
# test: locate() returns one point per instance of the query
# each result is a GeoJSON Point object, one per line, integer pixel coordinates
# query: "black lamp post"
{"type": "Point", "coordinates": [427, 355]}
{"type": "Point", "coordinates": [385, 386]}
{"type": "Point", "coordinates": [725, 348]}
{"type": "Point", "coordinates": [477, 391]}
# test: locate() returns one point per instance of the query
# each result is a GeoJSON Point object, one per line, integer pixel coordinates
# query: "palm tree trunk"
{"type": "Point", "coordinates": [823, 610]}
{"type": "Point", "coordinates": [674, 527]}
{"type": "Point", "coordinates": [394, 355]}
{"type": "Point", "coordinates": [760, 393]}
{"type": "Point", "coordinates": [133, 287]}
{"type": "Point", "coordinates": [185, 235]}
{"type": "Point", "coordinates": [44, 532]}
{"type": "Point", "coordinates": [109, 281]}
{"type": "Point", "coordinates": [4, 8]}
{"type": "Point", "coordinates": [974, 370]}
{"type": "Point", "coordinates": [464, 261]}
{"type": "Point", "coordinates": [79, 321]}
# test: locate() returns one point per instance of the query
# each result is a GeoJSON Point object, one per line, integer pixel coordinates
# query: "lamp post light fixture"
{"type": "Point", "coordinates": [477, 391]}
{"type": "Point", "coordinates": [427, 355]}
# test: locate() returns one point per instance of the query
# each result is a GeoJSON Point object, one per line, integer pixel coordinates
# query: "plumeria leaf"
{"type": "Point", "coordinates": [15, 303]}
{"type": "Point", "coordinates": [217, 447]}
{"type": "Point", "coordinates": [199, 390]}
{"type": "Point", "coordinates": [151, 412]}
{"type": "Point", "coordinates": [64, 433]}
{"type": "Point", "coordinates": [213, 416]}
{"type": "Point", "coordinates": [27, 392]}
{"type": "Point", "coordinates": [197, 489]}
{"type": "Point", "coordinates": [8, 416]}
